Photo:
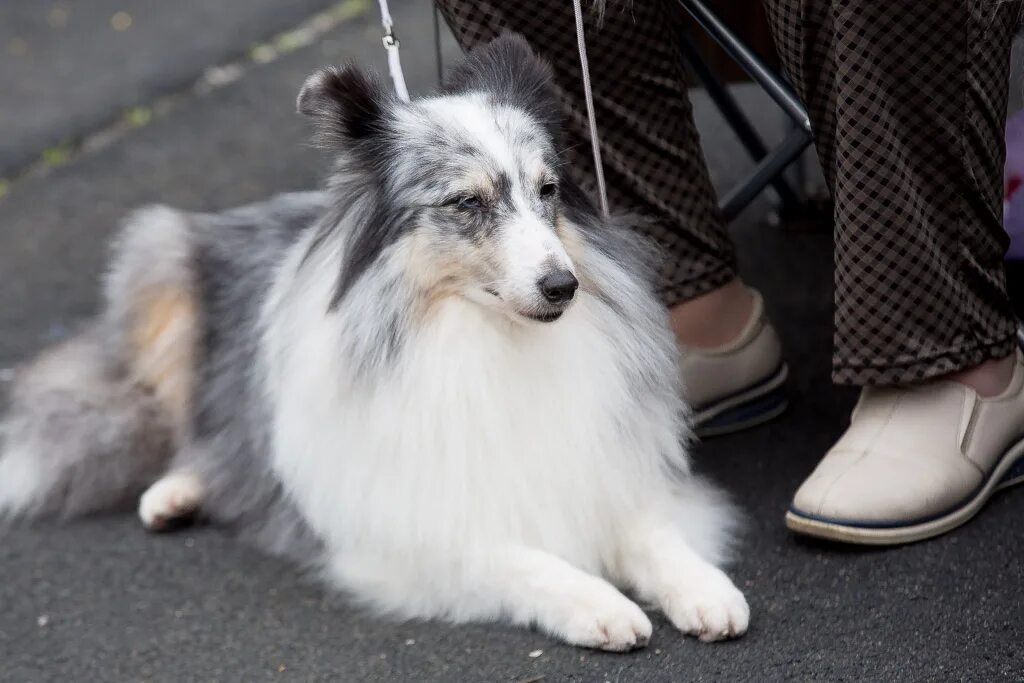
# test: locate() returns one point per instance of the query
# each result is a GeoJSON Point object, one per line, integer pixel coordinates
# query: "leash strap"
{"type": "Point", "coordinates": [391, 46]}
{"type": "Point", "coordinates": [595, 140]}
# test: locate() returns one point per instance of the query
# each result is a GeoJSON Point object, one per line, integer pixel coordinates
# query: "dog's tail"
{"type": "Point", "coordinates": [80, 435]}
{"type": "Point", "coordinates": [95, 419]}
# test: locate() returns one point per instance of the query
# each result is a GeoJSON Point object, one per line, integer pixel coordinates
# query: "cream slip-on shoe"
{"type": "Point", "coordinates": [915, 462]}
{"type": "Point", "coordinates": [739, 384]}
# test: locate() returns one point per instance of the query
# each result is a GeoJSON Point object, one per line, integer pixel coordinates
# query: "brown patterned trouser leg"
{"type": "Point", "coordinates": [651, 153]}
{"type": "Point", "coordinates": [908, 103]}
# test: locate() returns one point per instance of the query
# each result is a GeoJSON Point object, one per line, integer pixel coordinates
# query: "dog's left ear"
{"type": "Point", "coordinates": [346, 104]}
{"type": "Point", "coordinates": [509, 70]}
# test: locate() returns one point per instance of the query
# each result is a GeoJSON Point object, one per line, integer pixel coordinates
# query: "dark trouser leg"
{"type": "Point", "coordinates": [650, 147]}
{"type": "Point", "coordinates": [908, 101]}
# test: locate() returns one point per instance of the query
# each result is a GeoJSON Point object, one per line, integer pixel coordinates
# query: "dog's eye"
{"type": "Point", "coordinates": [548, 190]}
{"type": "Point", "coordinates": [468, 202]}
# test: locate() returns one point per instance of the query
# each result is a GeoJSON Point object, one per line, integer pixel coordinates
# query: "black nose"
{"type": "Point", "coordinates": [558, 286]}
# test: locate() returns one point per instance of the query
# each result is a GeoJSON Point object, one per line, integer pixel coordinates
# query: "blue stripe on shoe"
{"type": "Point", "coordinates": [1016, 470]}
{"type": "Point", "coordinates": [856, 524]}
{"type": "Point", "coordinates": [746, 414]}
{"type": "Point", "coordinates": [739, 392]}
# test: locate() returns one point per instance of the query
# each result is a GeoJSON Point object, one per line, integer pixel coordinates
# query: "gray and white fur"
{"type": "Point", "coordinates": [443, 381]}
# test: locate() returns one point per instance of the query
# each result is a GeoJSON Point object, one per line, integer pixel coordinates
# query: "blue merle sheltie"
{"type": "Point", "coordinates": [443, 381]}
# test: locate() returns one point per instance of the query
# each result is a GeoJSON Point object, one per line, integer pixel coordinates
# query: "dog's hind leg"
{"type": "Point", "coordinates": [153, 300]}
{"type": "Point", "coordinates": [178, 496]}
{"type": "Point", "coordinates": [162, 349]}
{"type": "Point", "coordinates": [175, 497]}
{"type": "Point", "coordinates": [152, 295]}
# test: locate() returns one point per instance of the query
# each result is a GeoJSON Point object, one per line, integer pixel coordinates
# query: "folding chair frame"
{"type": "Point", "coordinates": [770, 165]}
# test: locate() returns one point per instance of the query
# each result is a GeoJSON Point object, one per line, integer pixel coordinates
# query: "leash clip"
{"type": "Point", "coordinates": [391, 44]}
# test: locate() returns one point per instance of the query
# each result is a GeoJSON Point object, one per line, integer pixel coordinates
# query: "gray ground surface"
{"type": "Point", "coordinates": [66, 70]}
{"type": "Point", "coordinates": [100, 600]}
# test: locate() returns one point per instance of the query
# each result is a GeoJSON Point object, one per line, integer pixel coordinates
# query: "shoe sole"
{"type": "Point", "coordinates": [749, 408]}
{"type": "Point", "coordinates": [1008, 472]}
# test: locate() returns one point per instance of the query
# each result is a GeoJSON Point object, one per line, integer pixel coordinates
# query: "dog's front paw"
{"type": "Point", "coordinates": [607, 620]}
{"type": "Point", "coordinates": [710, 607]}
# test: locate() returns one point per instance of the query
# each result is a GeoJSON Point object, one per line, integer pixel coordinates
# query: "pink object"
{"type": "Point", "coordinates": [1013, 186]}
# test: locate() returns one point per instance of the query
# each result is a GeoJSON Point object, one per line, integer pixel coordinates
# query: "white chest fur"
{"type": "Point", "coordinates": [482, 431]}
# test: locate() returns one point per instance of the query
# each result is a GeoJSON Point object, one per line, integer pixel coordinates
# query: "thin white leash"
{"type": "Point", "coordinates": [595, 140]}
{"type": "Point", "coordinates": [391, 45]}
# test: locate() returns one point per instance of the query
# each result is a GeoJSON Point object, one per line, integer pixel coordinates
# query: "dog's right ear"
{"type": "Point", "coordinates": [511, 72]}
{"type": "Point", "coordinates": [346, 104]}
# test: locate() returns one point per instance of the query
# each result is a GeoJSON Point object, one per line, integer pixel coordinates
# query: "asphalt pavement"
{"type": "Point", "coordinates": [100, 600]}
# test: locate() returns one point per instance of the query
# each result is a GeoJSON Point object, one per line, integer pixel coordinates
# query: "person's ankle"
{"type": "Point", "coordinates": [990, 378]}
{"type": "Point", "coordinates": [713, 318]}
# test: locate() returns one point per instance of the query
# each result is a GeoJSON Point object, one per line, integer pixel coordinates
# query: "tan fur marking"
{"type": "Point", "coordinates": [481, 183]}
{"type": "Point", "coordinates": [163, 338]}
{"type": "Point", "coordinates": [433, 277]}
{"type": "Point", "coordinates": [570, 238]}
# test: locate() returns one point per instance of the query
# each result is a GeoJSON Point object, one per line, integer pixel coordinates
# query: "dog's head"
{"type": "Point", "coordinates": [464, 188]}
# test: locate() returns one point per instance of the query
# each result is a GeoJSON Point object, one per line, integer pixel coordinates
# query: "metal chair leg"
{"type": "Point", "coordinates": [736, 199]}
{"type": "Point", "coordinates": [776, 88]}
{"type": "Point", "coordinates": [734, 116]}
{"type": "Point", "coordinates": [773, 165]}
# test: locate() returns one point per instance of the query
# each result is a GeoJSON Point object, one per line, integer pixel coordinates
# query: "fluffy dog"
{"type": "Point", "coordinates": [444, 381]}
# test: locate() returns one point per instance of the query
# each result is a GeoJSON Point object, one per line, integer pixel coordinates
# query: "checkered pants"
{"type": "Point", "coordinates": [907, 99]}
